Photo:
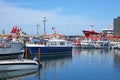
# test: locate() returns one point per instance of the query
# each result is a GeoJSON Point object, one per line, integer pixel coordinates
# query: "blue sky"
{"type": "Point", "coordinates": [67, 16]}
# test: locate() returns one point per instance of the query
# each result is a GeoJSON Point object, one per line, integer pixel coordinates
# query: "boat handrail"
{"type": "Point", "coordinates": [20, 57]}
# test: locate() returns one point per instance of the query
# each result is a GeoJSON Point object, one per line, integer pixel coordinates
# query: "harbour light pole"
{"type": "Point", "coordinates": [44, 21]}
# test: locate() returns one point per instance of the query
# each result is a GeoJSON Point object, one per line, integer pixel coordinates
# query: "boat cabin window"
{"type": "Point", "coordinates": [62, 43]}
{"type": "Point", "coordinates": [1, 45]}
{"type": "Point", "coordinates": [53, 43]}
{"type": "Point", "coordinates": [56, 43]}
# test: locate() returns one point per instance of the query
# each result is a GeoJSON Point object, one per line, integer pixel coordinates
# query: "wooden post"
{"type": "Point", "coordinates": [26, 53]}
{"type": "Point", "coordinates": [39, 56]}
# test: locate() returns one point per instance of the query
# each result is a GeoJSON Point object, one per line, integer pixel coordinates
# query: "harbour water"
{"type": "Point", "coordinates": [83, 64]}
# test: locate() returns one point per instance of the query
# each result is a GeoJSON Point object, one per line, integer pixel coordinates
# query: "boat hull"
{"type": "Point", "coordinates": [50, 50]}
{"type": "Point", "coordinates": [11, 49]}
{"type": "Point", "coordinates": [87, 46]}
{"type": "Point", "coordinates": [10, 55]}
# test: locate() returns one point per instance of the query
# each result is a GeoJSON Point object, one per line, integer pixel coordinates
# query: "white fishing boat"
{"type": "Point", "coordinates": [87, 44]}
{"type": "Point", "coordinates": [18, 64]}
{"type": "Point", "coordinates": [113, 44]}
{"type": "Point", "coordinates": [100, 44]}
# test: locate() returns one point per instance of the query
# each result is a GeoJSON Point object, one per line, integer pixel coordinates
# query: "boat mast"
{"type": "Point", "coordinates": [44, 21]}
{"type": "Point", "coordinates": [37, 29]}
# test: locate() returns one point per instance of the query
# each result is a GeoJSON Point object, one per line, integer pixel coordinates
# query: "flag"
{"type": "Point", "coordinates": [14, 30]}
{"type": "Point", "coordinates": [9, 37]}
{"type": "Point", "coordinates": [53, 28]}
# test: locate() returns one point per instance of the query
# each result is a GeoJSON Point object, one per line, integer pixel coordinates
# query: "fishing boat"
{"type": "Point", "coordinates": [93, 40]}
{"type": "Point", "coordinates": [10, 45]}
{"type": "Point", "coordinates": [50, 46]}
{"type": "Point", "coordinates": [18, 64]}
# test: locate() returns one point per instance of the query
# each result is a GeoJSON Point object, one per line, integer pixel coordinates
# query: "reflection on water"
{"type": "Point", "coordinates": [52, 63]}
{"type": "Point", "coordinates": [117, 62]}
{"type": "Point", "coordinates": [82, 64]}
{"type": "Point", "coordinates": [117, 56]}
{"type": "Point", "coordinates": [93, 54]}
{"type": "Point", "coordinates": [18, 74]}
{"type": "Point", "coordinates": [57, 61]}
{"type": "Point", "coordinates": [85, 64]}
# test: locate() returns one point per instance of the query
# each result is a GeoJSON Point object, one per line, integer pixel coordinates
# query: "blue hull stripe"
{"type": "Point", "coordinates": [49, 50]}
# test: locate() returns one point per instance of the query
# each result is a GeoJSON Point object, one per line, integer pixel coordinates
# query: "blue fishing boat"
{"type": "Point", "coordinates": [50, 46]}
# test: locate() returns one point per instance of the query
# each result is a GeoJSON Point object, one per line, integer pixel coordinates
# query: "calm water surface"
{"type": "Point", "coordinates": [83, 64]}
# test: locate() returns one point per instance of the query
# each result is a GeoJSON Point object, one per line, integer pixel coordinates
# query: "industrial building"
{"type": "Point", "coordinates": [116, 25]}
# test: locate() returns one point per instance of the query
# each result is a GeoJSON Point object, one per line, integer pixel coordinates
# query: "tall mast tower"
{"type": "Point", "coordinates": [44, 21]}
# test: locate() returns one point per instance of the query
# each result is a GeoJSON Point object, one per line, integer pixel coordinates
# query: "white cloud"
{"type": "Point", "coordinates": [11, 15]}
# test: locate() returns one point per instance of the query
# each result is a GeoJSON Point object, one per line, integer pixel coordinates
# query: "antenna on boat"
{"type": "Point", "coordinates": [44, 21]}
{"type": "Point", "coordinates": [37, 29]}
{"type": "Point", "coordinates": [110, 26]}
{"type": "Point", "coordinates": [91, 26]}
